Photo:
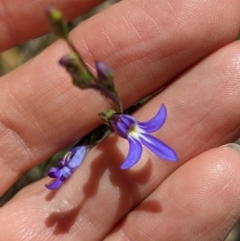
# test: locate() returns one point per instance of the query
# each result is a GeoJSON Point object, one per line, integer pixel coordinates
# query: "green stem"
{"type": "Point", "coordinates": [80, 59]}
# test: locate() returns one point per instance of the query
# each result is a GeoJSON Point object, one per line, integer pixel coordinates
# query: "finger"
{"type": "Point", "coordinates": [24, 20]}
{"type": "Point", "coordinates": [37, 99]}
{"type": "Point", "coordinates": [199, 201]}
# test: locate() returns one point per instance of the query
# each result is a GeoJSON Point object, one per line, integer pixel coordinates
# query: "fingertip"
{"type": "Point", "coordinates": [232, 146]}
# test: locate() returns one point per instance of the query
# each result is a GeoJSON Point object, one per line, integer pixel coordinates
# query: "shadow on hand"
{"type": "Point", "coordinates": [63, 221]}
{"type": "Point", "coordinates": [128, 182]}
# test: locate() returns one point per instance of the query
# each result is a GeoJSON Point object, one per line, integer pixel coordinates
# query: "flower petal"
{"type": "Point", "coordinates": [158, 147]}
{"type": "Point", "coordinates": [54, 185]}
{"type": "Point", "coordinates": [134, 153]}
{"type": "Point", "coordinates": [156, 122]}
{"type": "Point", "coordinates": [53, 172]}
{"type": "Point", "coordinates": [77, 157]}
{"type": "Point", "coordinates": [128, 120]}
{"type": "Point", "coordinates": [66, 172]}
{"type": "Point", "coordinates": [121, 124]}
{"type": "Point", "coordinates": [119, 128]}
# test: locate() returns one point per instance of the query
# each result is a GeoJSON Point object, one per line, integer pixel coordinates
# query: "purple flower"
{"type": "Point", "coordinates": [137, 134]}
{"type": "Point", "coordinates": [66, 166]}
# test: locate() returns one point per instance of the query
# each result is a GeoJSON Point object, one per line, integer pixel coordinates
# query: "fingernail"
{"type": "Point", "coordinates": [234, 146]}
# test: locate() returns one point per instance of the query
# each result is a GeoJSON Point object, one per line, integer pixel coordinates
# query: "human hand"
{"type": "Point", "coordinates": [186, 44]}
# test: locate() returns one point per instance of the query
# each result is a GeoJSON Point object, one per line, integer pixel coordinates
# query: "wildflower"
{"type": "Point", "coordinates": [137, 134]}
{"type": "Point", "coordinates": [66, 166]}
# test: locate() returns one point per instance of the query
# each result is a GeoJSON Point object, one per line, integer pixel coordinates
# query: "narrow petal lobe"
{"type": "Point", "coordinates": [156, 122]}
{"type": "Point", "coordinates": [77, 158]}
{"type": "Point", "coordinates": [158, 147]}
{"type": "Point", "coordinates": [56, 184]}
{"type": "Point", "coordinates": [134, 153]}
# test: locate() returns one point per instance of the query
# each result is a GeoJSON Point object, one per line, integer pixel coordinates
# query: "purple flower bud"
{"type": "Point", "coordinates": [59, 25]}
{"type": "Point", "coordinates": [80, 76]}
{"type": "Point", "coordinates": [70, 61]}
{"type": "Point", "coordinates": [104, 71]}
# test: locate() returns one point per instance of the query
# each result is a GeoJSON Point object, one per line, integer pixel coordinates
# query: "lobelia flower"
{"type": "Point", "coordinates": [66, 166]}
{"type": "Point", "coordinates": [137, 134]}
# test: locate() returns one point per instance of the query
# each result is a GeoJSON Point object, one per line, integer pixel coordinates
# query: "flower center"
{"type": "Point", "coordinates": [134, 131]}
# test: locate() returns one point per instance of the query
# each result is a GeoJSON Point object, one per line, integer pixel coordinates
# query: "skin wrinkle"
{"type": "Point", "coordinates": [87, 223]}
{"type": "Point", "coordinates": [64, 92]}
{"type": "Point", "coordinates": [132, 43]}
{"type": "Point", "coordinates": [61, 95]}
{"type": "Point", "coordinates": [118, 13]}
{"type": "Point", "coordinates": [141, 41]}
{"type": "Point", "coordinates": [23, 143]}
{"type": "Point", "coordinates": [131, 27]}
{"type": "Point", "coordinates": [32, 116]}
{"type": "Point", "coordinates": [14, 165]}
{"type": "Point", "coordinates": [105, 33]}
{"type": "Point", "coordinates": [127, 236]}
{"type": "Point", "coordinates": [171, 17]}
{"type": "Point", "coordinates": [173, 11]}
{"type": "Point", "coordinates": [42, 106]}
{"type": "Point", "coordinates": [142, 9]}
{"type": "Point", "coordinates": [19, 113]}
{"type": "Point", "coordinates": [172, 203]}
{"type": "Point", "coordinates": [142, 231]}
{"type": "Point", "coordinates": [90, 54]}
{"type": "Point", "coordinates": [24, 146]}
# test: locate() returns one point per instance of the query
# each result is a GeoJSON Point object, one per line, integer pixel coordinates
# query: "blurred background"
{"type": "Point", "coordinates": [15, 57]}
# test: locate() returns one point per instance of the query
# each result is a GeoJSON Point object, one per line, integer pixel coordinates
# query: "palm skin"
{"type": "Point", "coordinates": [188, 45]}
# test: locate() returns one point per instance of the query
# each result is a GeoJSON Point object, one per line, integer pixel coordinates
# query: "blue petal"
{"type": "Point", "coordinates": [53, 172]}
{"type": "Point", "coordinates": [66, 172]}
{"type": "Point", "coordinates": [128, 120]}
{"type": "Point", "coordinates": [134, 153]}
{"type": "Point", "coordinates": [56, 184]}
{"type": "Point", "coordinates": [121, 124]}
{"type": "Point", "coordinates": [158, 147]}
{"type": "Point", "coordinates": [61, 163]}
{"type": "Point", "coordinates": [119, 128]}
{"type": "Point", "coordinates": [156, 122]}
{"type": "Point", "coordinates": [77, 158]}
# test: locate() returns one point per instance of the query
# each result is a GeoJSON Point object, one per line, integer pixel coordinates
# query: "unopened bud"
{"type": "Point", "coordinates": [71, 62]}
{"type": "Point", "coordinates": [106, 115]}
{"type": "Point", "coordinates": [105, 76]}
{"type": "Point", "coordinates": [79, 74]}
{"type": "Point", "coordinates": [104, 71]}
{"type": "Point", "coordinates": [59, 25]}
